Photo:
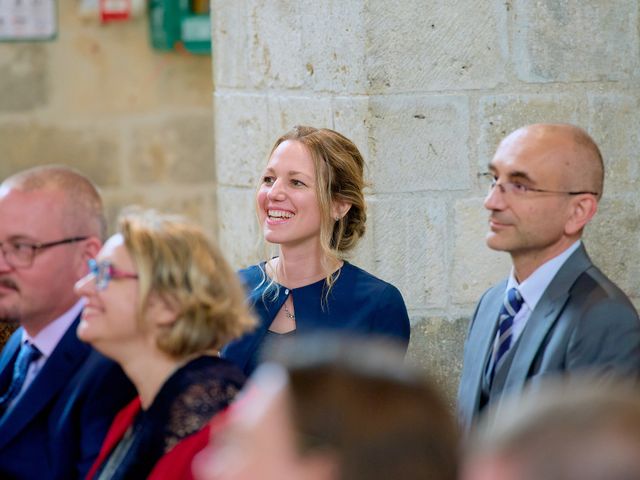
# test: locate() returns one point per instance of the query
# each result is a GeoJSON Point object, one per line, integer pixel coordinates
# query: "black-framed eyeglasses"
{"type": "Point", "coordinates": [20, 254]}
{"type": "Point", "coordinates": [103, 272]}
{"type": "Point", "coordinates": [520, 189]}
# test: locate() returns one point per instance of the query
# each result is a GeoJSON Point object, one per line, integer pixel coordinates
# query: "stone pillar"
{"type": "Point", "coordinates": [426, 90]}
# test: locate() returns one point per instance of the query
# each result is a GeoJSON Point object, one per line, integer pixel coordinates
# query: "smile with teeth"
{"type": "Point", "coordinates": [279, 214]}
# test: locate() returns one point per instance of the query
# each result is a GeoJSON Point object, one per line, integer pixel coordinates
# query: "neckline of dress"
{"type": "Point", "coordinates": [318, 282]}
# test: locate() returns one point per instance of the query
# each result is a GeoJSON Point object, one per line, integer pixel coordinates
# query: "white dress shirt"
{"type": "Point", "coordinates": [534, 286]}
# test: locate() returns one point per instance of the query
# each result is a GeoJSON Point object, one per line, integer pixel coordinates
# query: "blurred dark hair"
{"type": "Point", "coordinates": [356, 399]}
{"type": "Point", "coordinates": [587, 429]}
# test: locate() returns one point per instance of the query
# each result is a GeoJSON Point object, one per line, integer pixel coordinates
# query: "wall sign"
{"type": "Point", "coordinates": [22, 20]}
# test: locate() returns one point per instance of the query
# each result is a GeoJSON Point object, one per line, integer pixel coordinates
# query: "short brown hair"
{"type": "Point", "coordinates": [585, 428]}
{"type": "Point", "coordinates": [355, 398]}
{"type": "Point", "coordinates": [175, 260]}
{"type": "Point", "coordinates": [83, 212]}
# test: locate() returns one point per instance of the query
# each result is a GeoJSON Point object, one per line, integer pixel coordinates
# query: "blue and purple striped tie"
{"type": "Point", "coordinates": [510, 308]}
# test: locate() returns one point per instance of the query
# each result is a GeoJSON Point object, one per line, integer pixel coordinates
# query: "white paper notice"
{"type": "Point", "coordinates": [27, 19]}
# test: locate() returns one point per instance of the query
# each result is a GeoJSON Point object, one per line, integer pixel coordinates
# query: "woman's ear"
{"type": "Point", "coordinates": [339, 209]}
{"type": "Point", "coordinates": [160, 311]}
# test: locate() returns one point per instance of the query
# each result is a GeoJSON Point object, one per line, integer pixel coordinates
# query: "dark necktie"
{"type": "Point", "coordinates": [510, 308]}
{"type": "Point", "coordinates": [28, 353]}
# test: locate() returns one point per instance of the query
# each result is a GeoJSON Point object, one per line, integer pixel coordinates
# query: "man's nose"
{"type": "Point", "coordinates": [495, 199]}
{"type": "Point", "coordinates": [5, 266]}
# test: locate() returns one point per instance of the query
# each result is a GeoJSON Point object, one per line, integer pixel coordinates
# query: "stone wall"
{"type": "Point", "coordinates": [99, 99]}
{"type": "Point", "coordinates": [427, 89]}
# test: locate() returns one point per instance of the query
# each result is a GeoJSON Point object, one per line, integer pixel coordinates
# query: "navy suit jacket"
{"type": "Point", "coordinates": [56, 428]}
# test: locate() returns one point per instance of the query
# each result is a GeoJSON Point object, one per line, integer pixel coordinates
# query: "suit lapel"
{"type": "Point", "coordinates": [54, 376]}
{"type": "Point", "coordinates": [542, 319]}
{"type": "Point", "coordinates": [476, 354]}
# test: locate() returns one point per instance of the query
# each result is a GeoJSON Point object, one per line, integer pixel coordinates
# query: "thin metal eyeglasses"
{"type": "Point", "coordinates": [104, 272]}
{"type": "Point", "coordinates": [520, 189]}
{"type": "Point", "coordinates": [21, 254]}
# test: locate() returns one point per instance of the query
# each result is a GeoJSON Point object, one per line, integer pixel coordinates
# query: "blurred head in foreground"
{"type": "Point", "coordinates": [329, 409]}
{"type": "Point", "coordinates": [587, 431]}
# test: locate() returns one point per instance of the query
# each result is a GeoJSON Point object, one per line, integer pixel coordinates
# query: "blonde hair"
{"type": "Point", "coordinates": [339, 172]}
{"type": "Point", "coordinates": [176, 261]}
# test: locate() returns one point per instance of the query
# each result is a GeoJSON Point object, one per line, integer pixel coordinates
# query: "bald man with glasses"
{"type": "Point", "coordinates": [57, 396]}
{"type": "Point", "coordinates": [556, 314]}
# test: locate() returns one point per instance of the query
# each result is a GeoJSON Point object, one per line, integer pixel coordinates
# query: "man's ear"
{"type": "Point", "coordinates": [583, 208]}
{"type": "Point", "coordinates": [90, 248]}
{"type": "Point", "coordinates": [339, 209]}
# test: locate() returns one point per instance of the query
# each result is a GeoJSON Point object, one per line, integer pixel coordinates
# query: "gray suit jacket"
{"type": "Point", "coordinates": [582, 323]}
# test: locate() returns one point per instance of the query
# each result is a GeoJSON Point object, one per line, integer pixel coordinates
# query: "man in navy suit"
{"type": "Point", "coordinates": [556, 314]}
{"type": "Point", "coordinates": [53, 418]}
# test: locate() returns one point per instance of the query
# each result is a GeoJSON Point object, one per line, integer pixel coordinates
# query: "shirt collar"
{"type": "Point", "coordinates": [535, 285]}
{"type": "Point", "coordinates": [47, 339]}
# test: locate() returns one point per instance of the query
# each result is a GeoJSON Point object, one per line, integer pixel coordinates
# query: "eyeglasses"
{"type": "Point", "coordinates": [21, 254]}
{"type": "Point", "coordinates": [104, 272]}
{"type": "Point", "coordinates": [520, 189]}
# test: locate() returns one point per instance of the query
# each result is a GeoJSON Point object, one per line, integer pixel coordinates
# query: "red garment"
{"type": "Point", "coordinates": [176, 464]}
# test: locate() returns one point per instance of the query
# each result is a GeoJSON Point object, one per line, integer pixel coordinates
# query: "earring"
{"type": "Point", "coordinates": [337, 219]}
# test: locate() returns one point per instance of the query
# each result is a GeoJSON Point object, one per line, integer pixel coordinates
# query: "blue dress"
{"type": "Point", "coordinates": [358, 303]}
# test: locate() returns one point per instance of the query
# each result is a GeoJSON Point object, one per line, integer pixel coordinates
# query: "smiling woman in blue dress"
{"type": "Point", "coordinates": [310, 203]}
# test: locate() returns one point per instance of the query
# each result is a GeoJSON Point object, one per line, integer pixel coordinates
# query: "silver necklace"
{"type": "Point", "coordinates": [287, 312]}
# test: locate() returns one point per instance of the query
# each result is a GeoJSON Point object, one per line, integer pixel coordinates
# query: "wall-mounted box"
{"type": "Point", "coordinates": [176, 24]}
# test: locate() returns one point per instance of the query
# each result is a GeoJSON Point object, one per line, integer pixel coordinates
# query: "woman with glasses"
{"type": "Point", "coordinates": [310, 203]}
{"type": "Point", "coordinates": [160, 300]}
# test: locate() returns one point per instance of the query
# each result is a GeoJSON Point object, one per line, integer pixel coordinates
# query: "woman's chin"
{"type": "Point", "coordinates": [84, 331]}
{"type": "Point", "coordinates": [87, 334]}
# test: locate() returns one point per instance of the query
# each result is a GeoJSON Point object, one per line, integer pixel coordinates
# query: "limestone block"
{"type": "Point", "coordinates": [115, 201]}
{"type": "Point", "coordinates": [176, 149]}
{"type": "Point", "coordinates": [614, 122]}
{"type": "Point", "coordinates": [475, 266]}
{"type": "Point", "coordinates": [502, 114]}
{"type": "Point", "coordinates": [196, 204]}
{"type": "Point", "coordinates": [334, 44]}
{"type": "Point", "coordinates": [437, 347]}
{"type": "Point", "coordinates": [350, 117]}
{"type": "Point", "coordinates": [613, 241]}
{"type": "Point", "coordinates": [113, 69]}
{"type": "Point", "coordinates": [275, 44]}
{"type": "Point", "coordinates": [410, 248]}
{"type": "Point", "coordinates": [230, 40]}
{"type": "Point", "coordinates": [24, 73]}
{"type": "Point", "coordinates": [442, 45]}
{"type": "Point", "coordinates": [192, 203]}
{"type": "Point", "coordinates": [285, 111]}
{"type": "Point", "coordinates": [94, 151]}
{"type": "Point", "coordinates": [575, 41]}
{"type": "Point", "coordinates": [238, 231]}
{"type": "Point", "coordinates": [242, 137]}
{"type": "Point", "coordinates": [419, 143]}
